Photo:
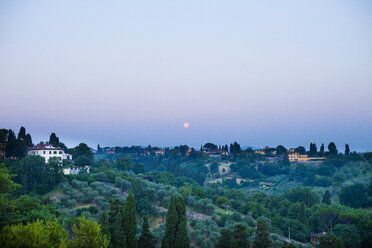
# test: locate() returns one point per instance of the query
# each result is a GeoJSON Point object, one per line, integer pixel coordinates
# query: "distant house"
{"type": "Point", "coordinates": [266, 151]}
{"type": "Point", "coordinates": [111, 151]}
{"type": "Point", "coordinates": [159, 152]}
{"type": "Point", "coordinates": [314, 237]}
{"type": "Point", "coordinates": [294, 156]}
{"type": "Point", "coordinates": [216, 153]}
{"type": "Point", "coordinates": [75, 170]}
{"type": "Point", "coordinates": [48, 151]}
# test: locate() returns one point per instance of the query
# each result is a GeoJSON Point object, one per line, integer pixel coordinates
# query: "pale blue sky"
{"type": "Point", "coordinates": [132, 72]}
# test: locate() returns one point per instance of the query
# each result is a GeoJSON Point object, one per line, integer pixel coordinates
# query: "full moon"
{"type": "Point", "coordinates": [186, 125]}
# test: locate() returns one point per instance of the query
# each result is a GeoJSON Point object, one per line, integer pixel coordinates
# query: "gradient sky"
{"type": "Point", "coordinates": [132, 72]}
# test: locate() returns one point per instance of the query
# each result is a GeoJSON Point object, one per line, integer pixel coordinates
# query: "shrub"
{"type": "Point", "coordinates": [209, 209]}
{"type": "Point", "coordinates": [71, 203]}
{"type": "Point", "coordinates": [101, 176]}
{"type": "Point", "coordinates": [93, 210]}
{"type": "Point", "coordinates": [79, 184]}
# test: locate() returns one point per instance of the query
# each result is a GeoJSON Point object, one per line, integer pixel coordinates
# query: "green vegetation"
{"type": "Point", "coordinates": [186, 198]}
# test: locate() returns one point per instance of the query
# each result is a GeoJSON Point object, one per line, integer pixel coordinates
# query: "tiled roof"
{"type": "Point", "coordinates": [45, 147]}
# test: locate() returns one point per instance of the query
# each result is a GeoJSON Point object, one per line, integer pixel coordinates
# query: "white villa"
{"type": "Point", "coordinates": [48, 151]}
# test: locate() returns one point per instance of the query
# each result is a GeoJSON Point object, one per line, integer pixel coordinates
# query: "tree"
{"type": "Point", "coordinates": [99, 149]}
{"type": "Point", "coordinates": [116, 224]}
{"type": "Point", "coordinates": [146, 239]}
{"type": "Point", "coordinates": [82, 150]}
{"type": "Point", "coordinates": [6, 183]}
{"type": "Point", "coordinates": [210, 146]}
{"type": "Point", "coordinates": [124, 164]}
{"type": "Point", "coordinates": [28, 140]}
{"type": "Point", "coordinates": [262, 239]}
{"type": "Point", "coordinates": [347, 150]}
{"type": "Point", "coordinates": [322, 148]}
{"type": "Point", "coordinates": [7, 186]}
{"type": "Point", "coordinates": [302, 214]}
{"type": "Point", "coordinates": [240, 237]}
{"type": "Point", "coordinates": [87, 234]}
{"type": "Point", "coordinates": [302, 194]}
{"type": "Point", "coordinates": [214, 167]}
{"type": "Point", "coordinates": [235, 148]}
{"type": "Point", "coordinates": [313, 149]}
{"type": "Point", "coordinates": [34, 175]}
{"type": "Point", "coordinates": [175, 228]}
{"type": "Point", "coordinates": [34, 235]}
{"type": "Point", "coordinates": [326, 217]}
{"type": "Point", "coordinates": [130, 222]}
{"type": "Point", "coordinates": [56, 170]}
{"type": "Point", "coordinates": [82, 161]}
{"type": "Point", "coordinates": [225, 239]}
{"type": "Point", "coordinates": [332, 149]}
{"type": "Point", "coordinates": [11, 149]}
{"type": "Point", "coordinates": [349, 234]}
{"type": "Point", "coordinates": [301, 150]}
{"type": "Point", "coordinates": [281, 150]}
{"type": "Point", "coordinates": [327, 197]}
{"type": "Point", "coordinates": [222, 201]}
{"type": "Point", "coordinates": [22, 133]}
{"type": "Point", "coordinates": [354, 196]}
{"type": "Point", "coordinates": [53, 139]}
{"type": "Point", "coordinates": [330, 241]}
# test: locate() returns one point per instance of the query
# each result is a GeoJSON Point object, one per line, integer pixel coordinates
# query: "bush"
{"type": "Point", "coordinates": [93, 210]}
{"type": "Point", "coordinates": [101, 176]}
{"type": "Point", "coordinates": [124, 185]}
{"type": "Point", "coordinates": [79, 184]}
{"type": "Point", "coordinates": [96, 185]}
{"type": "Point", "coordinates": [209, 209]}
{"type": "Point", "coordinates": [64, 198]}
{"type": "Point", "coordinates": [71, 203]}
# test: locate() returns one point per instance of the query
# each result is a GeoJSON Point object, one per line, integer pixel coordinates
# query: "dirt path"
{"type": "Point", "coordinates": [192, 215]}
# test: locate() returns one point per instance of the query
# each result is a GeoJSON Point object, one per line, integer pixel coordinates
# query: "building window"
{"type": "Point", "coordinates": [55, 152]}
{"type": "Point", "coordinates": [43, 152]}
{"type": "Point", "coordinates": [60, 152]}
{"type": "Point", "coordinates": [50, 152]}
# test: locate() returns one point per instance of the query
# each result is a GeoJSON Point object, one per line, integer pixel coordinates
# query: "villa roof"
{"type": "Point", "coordinates": [45, 147]}
{"type": "Point", "coordinates": [317, 235]}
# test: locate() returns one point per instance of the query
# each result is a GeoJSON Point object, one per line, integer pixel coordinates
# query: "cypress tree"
{"type": "Point", "coordinates": [347, 150]}
{"type": "Point", "coordinates": [53, 139]}
{"type": "Point", "coordinates": [175, 227]}
{"type": "Point", "coordinates": [11, 147]}
{"type": "Point", "coordinates": [327, 197]}
{"type": "Point", "coordinates": [146, 239]}
{"type": "Point", "coordinates": [240, 237]}
{"type": "Point", "coordinates": [182, 239]}
{"type": "Point", "coordinates": [313, 149]}
{"type": "Point", "coordinates": [28, 140]}
{"type": "Point", "coordinates": [262, 235]}
{"type": "Point", "coordinates": [302, 214]}
{"type": "Point", "coordinates": [22, 133]}
{"type": "Point", "coordinates": [225, 240]}
{"type": "Point", "coordinates": [130, 222]}
{"type": "Point", "coordinates": [116, 227]}
{"type": "Point", "coordinates": [322, 148]}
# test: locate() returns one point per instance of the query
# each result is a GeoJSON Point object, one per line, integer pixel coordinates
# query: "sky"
{"type": "Point", "coordinates": [133, 72]}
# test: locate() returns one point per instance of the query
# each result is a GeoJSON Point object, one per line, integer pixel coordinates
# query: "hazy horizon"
{"type": "Point", "coordinates": [122, 73]}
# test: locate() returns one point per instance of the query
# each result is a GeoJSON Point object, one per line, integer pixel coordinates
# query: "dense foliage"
{"type": "Point", "coordinates": [186, 197]}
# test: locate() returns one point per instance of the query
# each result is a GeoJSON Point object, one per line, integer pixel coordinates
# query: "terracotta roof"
{"type": "Point", "coordinates": [45, 147]}
{"type": "Point", "coordinates": [317, 235]}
